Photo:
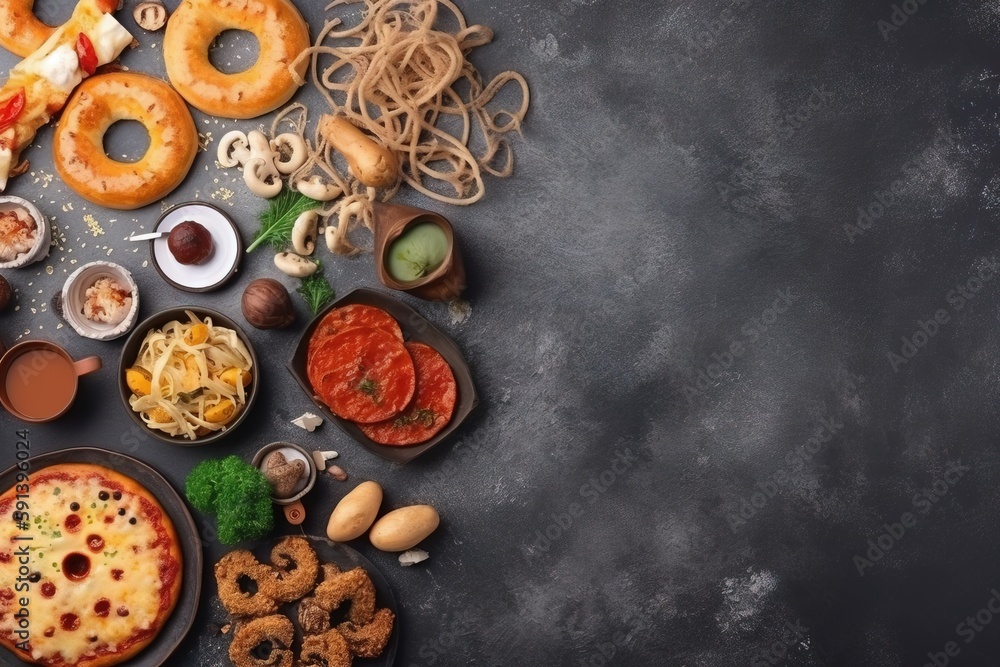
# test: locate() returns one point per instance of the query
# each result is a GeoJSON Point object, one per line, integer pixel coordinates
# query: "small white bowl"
{"type": "Point", "coordinates": [75, 293]}
{"type": "Point", "coordinates": [222, 264]}
{"type": "Point", "coordinates": [43, 239]}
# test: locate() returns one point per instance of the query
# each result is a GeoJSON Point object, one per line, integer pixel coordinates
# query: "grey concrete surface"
{"type": "Point", "coordinates": [733, 326]}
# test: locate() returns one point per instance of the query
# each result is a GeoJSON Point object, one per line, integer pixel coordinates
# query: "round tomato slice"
{"type": "Point", "coordinates": [432, 406]}
{"type": "Point", "coordinates": [364, 375]}
{"type": "Point", "coordinates": [349, 317]}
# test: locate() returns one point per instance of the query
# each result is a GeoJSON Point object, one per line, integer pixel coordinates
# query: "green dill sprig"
{"type": "Point", "coordinates": [316, 290]}
{"type": "Point", "coordinates": [277, 221]}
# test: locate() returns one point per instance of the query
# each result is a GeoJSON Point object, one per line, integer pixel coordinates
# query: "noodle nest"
{"type": "Point", "coordinates": [202, 372]}
{"type": "Point", "coordinates": [402, 74]}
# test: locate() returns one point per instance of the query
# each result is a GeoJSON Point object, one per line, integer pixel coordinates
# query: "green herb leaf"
{"type": "Point", "coordinates": [277, 221]}
{"type": "Point", "coordinates": [316, 291]}
{"type": "Point", "coordinates": [368, 387]}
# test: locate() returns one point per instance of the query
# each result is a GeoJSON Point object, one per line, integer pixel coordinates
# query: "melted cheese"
{"type": "Point", "coordinates": [61, 68]}
{"type": "Point", "coordinates": [127, 547]}
{"type": "Point", "coordinates": [109, 38]}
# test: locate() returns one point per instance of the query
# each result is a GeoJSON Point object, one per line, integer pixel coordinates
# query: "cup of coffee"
{"type": "Point", "coordinates": [38, 380]}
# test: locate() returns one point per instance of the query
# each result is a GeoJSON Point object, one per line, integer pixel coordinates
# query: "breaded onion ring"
{"type": "Point", "coordinates": [230, 569]}
{"type": "Point", "coordinates": [368, 641]}
{"type": "Point", "coordinates": [292, 584]}
{"type": "Point", "coordinates": [313, 619]}
{"type": "Point", "coordinates": [328, 649]}
{"type": "Point", "coordinates": [276, 629]}
{"type": "Point", "coordinates": [354, 585]}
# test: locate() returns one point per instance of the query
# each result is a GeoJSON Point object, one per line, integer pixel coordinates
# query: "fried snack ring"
{"type": "Point", "coordinates": [276, 629]}
{"type": "Point", "coordinates": [329, 649]}
{"type": "Point", "coordinates": [96, 105]}
{"type": "Point", "coordinates": [369, 640]}
{"type": "Point", "coordinates": [22, 33]}
{"type": "Point", "coordinates": [230, 569]}
{"type": "Point", "coordinates": [354, 585]}
{"type": "Point", "coordinates": [292, 584]}
{"type": "Point", "coordinates": [313, 619]}
{"type": "Point", "coordinates": [281, 32]}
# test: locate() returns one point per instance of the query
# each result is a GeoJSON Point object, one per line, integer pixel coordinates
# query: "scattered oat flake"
{"type": "Point", "coordinates": [50, 269]}
{"type": "Point", "coordinates": [95, 227]}
{"type": "Point", "coordinates": [225, 194]}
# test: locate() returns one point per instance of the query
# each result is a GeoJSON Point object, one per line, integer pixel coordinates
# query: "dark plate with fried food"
{"type": "Point", "coordinates": [348, 616]}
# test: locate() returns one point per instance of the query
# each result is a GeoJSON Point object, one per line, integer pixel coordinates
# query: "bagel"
{"type": "Point", "coordinates": [22, 33]}
{"type": "Point", "coordinates": [268, 84]}
{"type": "Point", "coordinates": [98, 103]}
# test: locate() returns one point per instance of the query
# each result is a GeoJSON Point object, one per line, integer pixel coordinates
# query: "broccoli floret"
{"type": "Point", "coordinates": [237, 493]}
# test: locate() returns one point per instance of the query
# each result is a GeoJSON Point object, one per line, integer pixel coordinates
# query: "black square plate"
{"type": "Point", "coordinates": [415, 328]}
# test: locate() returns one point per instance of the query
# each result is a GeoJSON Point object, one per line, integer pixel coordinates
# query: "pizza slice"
{"type": "Point", "coordinates": [41, 84]}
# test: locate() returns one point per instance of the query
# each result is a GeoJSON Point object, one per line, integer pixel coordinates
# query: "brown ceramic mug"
{"type": "Point", "coordinates": [39, 380]}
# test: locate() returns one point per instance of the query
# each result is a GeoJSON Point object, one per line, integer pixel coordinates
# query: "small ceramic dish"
{"type": "Point", "coordinates": [220, 266]}
{"type": "Point", "coordinates": [292, 504]}
{"type": "Point", "coordinates": [415, 328]}
{"type": "Point", "coordinates": [446, 282]}
{"type": "Point", "coordinates": [131, 351]}
{"type": "Point", "coordinates": [74, 295]}
{"type": "Point", "coordinates": [43, 237]}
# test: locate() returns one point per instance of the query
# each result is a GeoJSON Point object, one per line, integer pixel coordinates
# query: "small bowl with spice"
{"type": "Point", "coordinates": [25, 235]}
{"type": "Point", "coordinates": [100, 300]}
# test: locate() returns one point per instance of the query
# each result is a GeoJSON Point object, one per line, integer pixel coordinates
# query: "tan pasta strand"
{"type": "Point", "coordinates": [404, 78]}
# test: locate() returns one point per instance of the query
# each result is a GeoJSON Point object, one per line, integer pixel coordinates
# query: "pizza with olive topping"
{"type": "Point", "coordinates": [90, 567]}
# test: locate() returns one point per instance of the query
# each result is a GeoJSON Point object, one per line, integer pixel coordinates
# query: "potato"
{"type": "Point", "coordinates": [192, 374]}
{"type": "Point", "coordinates": [404, 528]}
{"type": "Point", "coordinates": [197, 334]}
{"type": "Point", "coordinates": [160, 416]}
{"type": "Point", "coordinates": [221, 413]}
{"type": "Point", "coordinates": [139, 380]}
{"type": "Point", "coordinates": [233, 375]}
{"type": "Point", "coordinates": [355, 512]}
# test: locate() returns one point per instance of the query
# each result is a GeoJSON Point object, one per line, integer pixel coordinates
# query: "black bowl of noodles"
{"type": "Point", "coordinates": [205, 368]}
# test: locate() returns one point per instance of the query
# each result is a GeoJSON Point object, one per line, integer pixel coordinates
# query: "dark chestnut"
{"type": "Point", "coordinates": [189, 243]}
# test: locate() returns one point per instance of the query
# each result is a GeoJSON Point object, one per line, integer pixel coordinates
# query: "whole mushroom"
{"type": "Point", "coordinates": [267, 305]}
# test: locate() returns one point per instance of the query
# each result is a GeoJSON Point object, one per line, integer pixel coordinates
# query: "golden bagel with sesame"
{"type": "Point", "coordinates": [100, 102]}
{"type": "Point", "coordinates": [266, 85]}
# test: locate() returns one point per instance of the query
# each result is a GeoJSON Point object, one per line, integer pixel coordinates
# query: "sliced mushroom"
{"type": "Point", "coordinates": [294, 265]}
{"type": "Point", "coordinates": [291, 152]}
{"type": "Point", "coordinates": [260, 146]}
{"type": "Point", "coordinates": [262, 178]}
{"type": "Point", "coordinates": [304, 233]}
{"type": "Point", "coordinates": [150, 16]}
{"type": "Point", "coordinates": [316, 188]}
{"type": "Point", "coordinates": [234, 149]}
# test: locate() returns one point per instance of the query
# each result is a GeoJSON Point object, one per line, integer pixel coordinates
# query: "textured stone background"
{"type": "Point", "coordinates": [693, 435]}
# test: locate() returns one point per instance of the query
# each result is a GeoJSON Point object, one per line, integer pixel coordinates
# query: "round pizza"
{"type": "Point", "coordinates": [90, 566]}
